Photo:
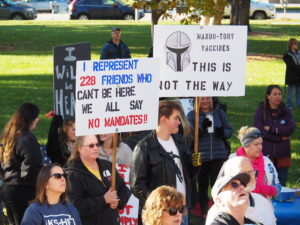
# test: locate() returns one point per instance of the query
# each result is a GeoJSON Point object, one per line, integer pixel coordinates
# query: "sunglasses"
{"type": "Point", "coordinates": [92, 145]}
{"type": "Point", "coordinates": [173, 210]}
{"type": "Point", "coordinates": [235, 185]}
{"type": "Point", "coordinates": [58, 176]}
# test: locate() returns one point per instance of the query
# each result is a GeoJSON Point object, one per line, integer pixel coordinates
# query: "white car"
{"type": "Point", "coordinates": [258, 10]}
{"type": "Point", "coordinates": [46, 5]}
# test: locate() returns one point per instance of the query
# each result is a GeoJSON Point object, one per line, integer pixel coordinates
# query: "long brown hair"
{"type": "Point", "coordinates": [42, 181]}
{"type": "Point", "coordinates": [19, 123]}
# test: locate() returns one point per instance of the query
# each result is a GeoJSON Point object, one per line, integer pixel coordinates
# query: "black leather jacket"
{"type": "Point", "coordinates": [152, 167]}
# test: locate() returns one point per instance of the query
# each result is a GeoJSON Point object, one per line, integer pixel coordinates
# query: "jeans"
{"type": "Point", "coordinates": [291, 90]}
{"type": "Point", "coordinates": [282, 175]}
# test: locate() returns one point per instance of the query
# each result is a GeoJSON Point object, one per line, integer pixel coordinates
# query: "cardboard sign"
{"type": "Point", "coordinates": [201, 60]}
{"type": "Point", "coordinates": [115, 96]}
{"type": "Point", "coordinates": [64, 78]}
{"type": "Point", "coordinates": [128, 215]}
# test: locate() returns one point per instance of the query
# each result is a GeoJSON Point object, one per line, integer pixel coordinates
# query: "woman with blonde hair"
{"type": "Point", "coordinates": [50, 203]}
{"type": "Point", "coordinates": [21, 160]}
{"type": "Point", "coordinates": [164, 206]}
{"type": "Point", "coordinates": [267, 183]}
{"type": "Point", "coordinates": [89, 180]}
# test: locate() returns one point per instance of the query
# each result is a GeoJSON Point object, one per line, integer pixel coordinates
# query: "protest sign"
{"type": "Point", "coordinates": [115, 96]}
{"type": "Point", "coordinates": [129, 214]}
{"type": "Point", "coordinates": [64, 78]}
{"type": "Point", "coordinates": [201, 60]}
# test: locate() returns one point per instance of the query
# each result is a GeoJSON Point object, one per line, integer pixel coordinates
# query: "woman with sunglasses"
{"type": "Point", "coordinates": [276, 123]}
{"type": "Point", "coordinates": [21, 160]}
{"type": "Point", "coordinates": [164, 206]}
{"type": "Point", "coordinates": [124, 153]}
{"type": "Point", "coordinates": [50, 205]}
{"type": "Point", "coordinates": [267, 183]}
{"type": "Point", "coordinates": [61, 138]}
{"type": "Point", "coordinates": [89, 180]}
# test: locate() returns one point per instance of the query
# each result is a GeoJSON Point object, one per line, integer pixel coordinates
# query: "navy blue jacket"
{"type": "Point", "coordinates": [211, 145]}
{"type": "Point", "coordinates": [112, 51]}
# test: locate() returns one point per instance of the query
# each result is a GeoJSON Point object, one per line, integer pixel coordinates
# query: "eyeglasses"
{"type": "Point", "coordinates": [173, 210]}
{"type": "Point", "coordinates": [235, 185]}
{"type": "Point", "coordinates": [92, 145]}
{"type": "Point", "coordinates": [253, 172]}
{"type": "Point", "coordinates": [58, 176]}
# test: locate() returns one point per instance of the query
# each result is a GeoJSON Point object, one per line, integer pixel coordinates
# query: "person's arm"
{"type": "Point", "coordinates": [260, 124]}
{"type": "Point", "coordinates": [122, 191]}
{"type": "Point", "coordinates": [76, 194]}
{"type": "Point", "coordinates": [32, 216]}
{"type": "Point", "coordinates": [127, 53]}
{"type": "Point", "coordinates": [284, 127]}
{"type": "Point", "coordinates": [29, 149]}
{"type": "Point", "coordinates": [225, 131]}
{"type": "Point", "coordinates": [105, 52]}
{"type": "Point", "coordinates": [290, 62]}
{"type": "Point", "coordinates": [138, 177]}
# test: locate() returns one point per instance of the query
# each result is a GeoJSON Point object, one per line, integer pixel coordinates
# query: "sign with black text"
{"type": "Point", "coordinates": [201, 60]}
{"type": "Point", "coordinates": [119, 95]}
{"type": "Point", "coordinates": [65, 58]}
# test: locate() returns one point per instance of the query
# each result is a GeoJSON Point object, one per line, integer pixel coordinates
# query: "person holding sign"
{"type": "Point", "coordinates": [50, 203]}
{"type": "Point", "coordinates": [124, 153]}
{"type": "Point", "coordinates": [115, 48]}
{"type": "Point", "coordinates": [89, 180]}
{"type": "Point", "coordinates": [164, 206]}
{"type": "Point", "coordinates": [21, 161]}
{"type": "Point", "coordinates": [214, 128]}
{"type": "Point", "coordinates": [162, 158]}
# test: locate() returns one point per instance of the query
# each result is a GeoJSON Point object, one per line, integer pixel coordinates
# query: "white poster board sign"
{"type": "Point", "coordinates": [129, 214]}
{"type": "Point", "coordinates": [115, 96]}
{"type": "Point", "coordinates": [201, 60]}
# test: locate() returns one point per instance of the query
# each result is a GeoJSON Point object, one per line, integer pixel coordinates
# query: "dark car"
{"type": "Point", "coordinates": [11, 10]}
{"type": "Point", "coordinates": [101, 9]}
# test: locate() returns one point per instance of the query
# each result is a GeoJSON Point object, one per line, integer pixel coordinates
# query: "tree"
{"type": "Point", "coordinates": [214, 13]}
{"type": "Point", "coordinates": [240, 10]}
{"type": "Point", "coordinates": [190, 8]}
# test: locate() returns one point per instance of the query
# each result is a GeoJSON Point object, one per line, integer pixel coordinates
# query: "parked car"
{"type": "Point", "coordinates": [101, 9]}
{"type": "Point", "coordinates": [11, 10]}
{"type": "Point", "coordinates": [46, 5]}
{"type": "Point", "coordinates": [258, 10]}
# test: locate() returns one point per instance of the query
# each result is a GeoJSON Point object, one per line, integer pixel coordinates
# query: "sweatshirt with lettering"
{"type": "Point", "coordinates": [56, 214]}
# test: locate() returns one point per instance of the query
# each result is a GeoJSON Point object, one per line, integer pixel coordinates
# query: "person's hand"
{"type": "Point", "coordinates": [111, 197]}
{"type": "Point", "coordinates": [114, 205]}
{"type": "Point", "coordinates": [206, 123]}
{"type": "Point", "coordinates": [196, 159]}
{"type": "Point", "coordinates": [284, 138]}
{"type": "Point", "coordinates": [267, 128]}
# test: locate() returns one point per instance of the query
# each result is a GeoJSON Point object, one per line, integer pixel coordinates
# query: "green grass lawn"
{"type": "Point", "coordinates": [26, 66]}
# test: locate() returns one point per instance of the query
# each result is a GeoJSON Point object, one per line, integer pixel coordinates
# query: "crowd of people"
{"type": "Point", "coordinates": [77, 187]}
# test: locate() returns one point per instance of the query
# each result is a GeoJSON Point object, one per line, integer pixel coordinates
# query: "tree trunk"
{"type": "Point", "coordinates": [220, 6]}
{"type": "Point", "coordinates": [240, 10]}
{"type": "Point", "coordinates": [155, 15]}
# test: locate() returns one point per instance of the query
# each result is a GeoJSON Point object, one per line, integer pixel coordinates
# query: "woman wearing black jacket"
{"type": "Point", "coordinates": [292, 74]}
{"type": "Point", "coordinates": [21, 161]}
{"type": "Point", "coordinates": [89, 180]}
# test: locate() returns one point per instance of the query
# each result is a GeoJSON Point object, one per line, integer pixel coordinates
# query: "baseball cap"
{"type": "Point", "coordinates": [115, 29]}
{"type": "Point", "coordinates": [220, 183]}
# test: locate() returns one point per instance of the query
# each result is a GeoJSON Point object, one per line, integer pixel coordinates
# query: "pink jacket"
{"type": "Point", "coordinates": [258, 164]}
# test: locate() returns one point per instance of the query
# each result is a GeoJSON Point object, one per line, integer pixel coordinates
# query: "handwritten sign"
{"type": "Point", "coordinates": [116, 95]}
{"type": "Point", "coordinates": [65, 58]}
{"type": "Point", "coordinates": [201, 60]}
{"type": "Point", "coordinates": [129, 214]}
